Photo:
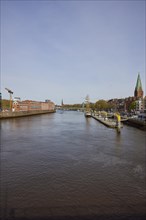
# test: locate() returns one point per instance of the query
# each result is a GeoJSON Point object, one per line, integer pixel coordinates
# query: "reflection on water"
{"type": "Point", "coordinates": [65, 164]}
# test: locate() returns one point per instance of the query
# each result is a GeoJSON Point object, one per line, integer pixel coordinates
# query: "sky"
{"type": "Point", "coordinates": [69, 49]}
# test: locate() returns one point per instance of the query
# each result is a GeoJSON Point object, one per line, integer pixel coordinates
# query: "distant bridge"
{"type": "Point", "coordinates": [66, 108]}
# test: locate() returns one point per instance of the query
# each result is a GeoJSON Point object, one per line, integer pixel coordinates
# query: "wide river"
{"type": "Point", "coordinates": [65, 165]}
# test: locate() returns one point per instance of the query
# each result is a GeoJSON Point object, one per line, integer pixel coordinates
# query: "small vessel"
{"type": "Point", "coordinates": [87, 114]}
{"type": "Point", "coordinates": [87, 111]}
{"type": "Point", "coordinates": [61, 111]}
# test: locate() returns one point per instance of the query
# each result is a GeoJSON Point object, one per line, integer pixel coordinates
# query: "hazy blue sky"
{"type": "Point", "coordinates": [67, 49]}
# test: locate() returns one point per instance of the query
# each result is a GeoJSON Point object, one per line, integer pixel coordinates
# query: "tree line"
{"type": "Point", "coordinates": [100, 105]}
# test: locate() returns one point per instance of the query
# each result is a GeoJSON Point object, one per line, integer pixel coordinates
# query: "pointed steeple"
{"type": "Point", "coordinates": [138, 83]}
{"type": "Point", "coordinates": [138, 93]}
{"type": "Point", "coordinates": [62, 103]}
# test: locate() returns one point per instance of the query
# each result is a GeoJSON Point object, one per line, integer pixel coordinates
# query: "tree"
{"type": "Point", "coordinates": [92, 106]}
{"type": "Point", "coordinates": [101, 105]}
{"type": "Point", "coordinates": [5, 104]}
{"type": "Point", "coordinates": [132, 106]}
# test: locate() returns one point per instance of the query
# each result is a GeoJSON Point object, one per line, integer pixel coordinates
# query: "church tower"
{"type": "Point", "coordinates": [62, 104]}
{"type": "Point", "coordinates": [138, 93]}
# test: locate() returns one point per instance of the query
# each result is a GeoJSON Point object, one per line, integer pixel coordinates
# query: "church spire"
{"type": "Point", "coordinates": [138, 83]}
{"type": "Point", "coordinates": [138, 93]}
{"type": "Point", "coordinates": [62, 103]}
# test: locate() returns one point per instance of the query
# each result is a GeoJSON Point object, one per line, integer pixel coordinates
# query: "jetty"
{"type": "Point", "coordinates": [107, 122]}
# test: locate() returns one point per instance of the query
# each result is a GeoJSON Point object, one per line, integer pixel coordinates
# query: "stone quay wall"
{"type": "Point", "coordinates": [6, 115]}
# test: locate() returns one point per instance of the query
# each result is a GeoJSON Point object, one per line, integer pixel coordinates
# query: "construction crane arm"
{"type": "Point", "coordinates": [9, 91]}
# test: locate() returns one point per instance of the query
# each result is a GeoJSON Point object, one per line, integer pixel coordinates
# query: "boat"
{"type": "Point", "coordinates": [87, 114]}
{"type": "Point", "coordinates": [61, 111]}
{"type": "Point", "coordinates": [87, 111]}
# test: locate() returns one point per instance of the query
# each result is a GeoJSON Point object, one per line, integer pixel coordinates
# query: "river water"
{"type": "Point", "coordinates": [58, 165]}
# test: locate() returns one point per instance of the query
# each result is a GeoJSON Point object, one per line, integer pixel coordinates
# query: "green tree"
{"type": "Point", "coordinates": [101, 105]}
{"type": "Point", "coordinates": [92, 106]}
{"type": "Point", "coordinates": [5, 104]}
{"type": "Point", "coordinates": [132, 106]}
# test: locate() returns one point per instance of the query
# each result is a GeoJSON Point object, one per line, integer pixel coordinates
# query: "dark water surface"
{"type": "Point", "coordinates": [66, 165]}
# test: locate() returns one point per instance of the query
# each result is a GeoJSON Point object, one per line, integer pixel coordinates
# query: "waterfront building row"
{"type": "Point", "coordinates": [30, 105]}
{"type": "Point", "coordinates": [125, 104]}
{"type": "Point", "coordinates": [135, 103]}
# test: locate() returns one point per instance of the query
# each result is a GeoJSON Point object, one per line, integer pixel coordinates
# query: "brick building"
{"type": "Point", "coordinates": [29, 105]}
{"type": "Point", "coordinates": [124, 105]}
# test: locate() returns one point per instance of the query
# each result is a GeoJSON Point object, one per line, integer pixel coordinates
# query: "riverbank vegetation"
{"type": "Point", "coordinates": [100, 105]}
{"type": "Point", "coordinates": [5, 104]}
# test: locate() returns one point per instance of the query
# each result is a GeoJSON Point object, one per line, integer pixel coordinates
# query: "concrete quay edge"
{"type": "Point", "coordinates": [136, 123]}
{"type": "Point", "coordinates": [7, 115]}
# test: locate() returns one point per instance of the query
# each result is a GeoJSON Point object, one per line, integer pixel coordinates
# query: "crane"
{"type": "Point", "coordinates": [10, 92]}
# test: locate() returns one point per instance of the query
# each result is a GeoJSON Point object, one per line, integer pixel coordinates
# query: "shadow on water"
{"type": "Point", "coordinates": [24, 214]}
{"type": "Point", "coordinates": [67, 213]}
{"type": "Point", "coordinates": [118, 135]}
{"type": "Point", "coordinates": [88, 123]}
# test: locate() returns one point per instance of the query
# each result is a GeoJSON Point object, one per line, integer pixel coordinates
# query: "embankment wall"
{"type": "Point", "coordinates": [5, 115]}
